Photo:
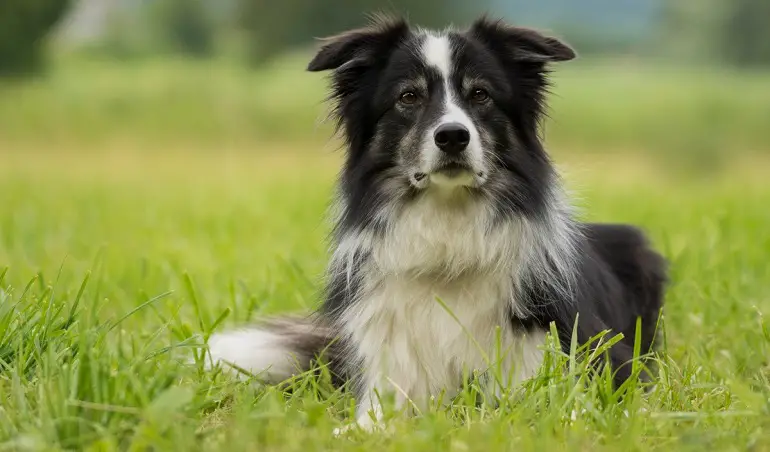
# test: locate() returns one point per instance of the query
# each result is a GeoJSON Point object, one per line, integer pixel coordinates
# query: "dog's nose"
{"type": "Point", "coordinates": [452, 137]}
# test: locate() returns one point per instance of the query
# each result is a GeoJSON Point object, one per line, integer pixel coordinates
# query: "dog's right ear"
{"type": "Point", "coordinates": [521, 44]}
{"type": "Point", "coordinates": [359, 47]}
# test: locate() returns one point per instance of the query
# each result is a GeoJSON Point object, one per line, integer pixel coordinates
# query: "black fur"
{"type": "Point", "coordinates": [620, 279]}
{"type": "Point", "coordinates": [604, 275]}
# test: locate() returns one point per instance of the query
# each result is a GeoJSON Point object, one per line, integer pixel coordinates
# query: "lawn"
{"type": "Point", "coordinates": [117, 263]}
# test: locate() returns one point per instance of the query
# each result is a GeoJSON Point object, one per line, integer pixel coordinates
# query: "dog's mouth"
{"type": "Point", "coordinates": [453, 169]}
{"type": "Point", "coordinates": [450, 170]}
{"type": "Point", "coordinates": [450, 174]}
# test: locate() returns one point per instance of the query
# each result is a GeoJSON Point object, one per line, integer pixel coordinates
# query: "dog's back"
{"type": "Point", "coordinates": [642, 275]}
{"type": "Point", "coordinates": [623, 281]}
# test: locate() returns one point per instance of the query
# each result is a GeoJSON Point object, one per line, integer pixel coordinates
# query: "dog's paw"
{"type": "Point", "coordinates": [364, 424]}
{"type": "Point", "coordinates": [344, 430]}
{"type": "Point", "coordinates": [353, 427]}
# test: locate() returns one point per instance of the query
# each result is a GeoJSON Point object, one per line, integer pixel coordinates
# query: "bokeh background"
{"type": "Point", "coordinates": [160, 137]}
{"type": "Point", "coordinates": [186, 135]}
{"type": "Point", "coordinates": [166, 166]}
{"type": "Point", "coordinates": [678, 79]}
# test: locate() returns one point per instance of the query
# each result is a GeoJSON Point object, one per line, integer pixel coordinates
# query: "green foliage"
{"type": "Point", "coordinates": [271, 30]}
{"type": "Point", "coordinates": [734, 32]}
{"type": "Point", "coordinates": [670, 112]}
{"type": "Point", "coordinates": [120, 264]}
{"type": "Point", "coordinates": [746, 36]}
{"type": "Point", "coordinates": [141, 31]}
{"type": "Point", "coordinates": [24, 25]}
{"type": "Point", "coordinates": [185, 26]}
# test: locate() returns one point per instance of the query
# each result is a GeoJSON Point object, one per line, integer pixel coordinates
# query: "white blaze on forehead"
{"type": "Point", "coordinates": [437, 51]}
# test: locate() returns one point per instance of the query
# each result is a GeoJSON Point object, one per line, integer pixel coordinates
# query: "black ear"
{"type": "Point", "coordinates": [521, 44]}
{"type": "Point", "coordinates": [359, 46]}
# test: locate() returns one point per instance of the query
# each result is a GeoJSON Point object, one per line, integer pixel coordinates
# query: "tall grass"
{"type": "Point", "coordinates": [112, 270]}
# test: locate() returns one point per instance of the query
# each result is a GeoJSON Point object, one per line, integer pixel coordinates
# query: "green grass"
{"type": "Point", "coordinates": [694, 113]}
{"type": "Point", "coordinates": [118, 264]}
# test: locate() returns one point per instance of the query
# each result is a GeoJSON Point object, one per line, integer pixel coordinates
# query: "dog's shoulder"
{"type": "Point", "coordinates": [627, 252]}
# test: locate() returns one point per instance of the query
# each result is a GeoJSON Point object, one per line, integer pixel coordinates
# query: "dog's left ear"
{"type": "Point", "coordinates": [521, 44]}
{"type": "Point", "coordinates": [360, 47]}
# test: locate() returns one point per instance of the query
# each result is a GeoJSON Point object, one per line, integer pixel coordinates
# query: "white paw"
{"type": "Point", "coordinates": [364, 424]}
{"type": "Point", "coordinates": [339, 431]}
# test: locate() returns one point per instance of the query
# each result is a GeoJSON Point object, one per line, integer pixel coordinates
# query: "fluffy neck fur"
{"type": "Point", "coordinates": [447, 238]}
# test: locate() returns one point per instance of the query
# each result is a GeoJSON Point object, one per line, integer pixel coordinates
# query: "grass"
{"type": "Point", "coordinates": [118, 265]}
{"type": "Point", "coordinates": [690, 113]}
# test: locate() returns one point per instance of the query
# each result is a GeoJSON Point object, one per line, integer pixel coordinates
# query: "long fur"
{"type": "Point", "coordinates": [445, 263]}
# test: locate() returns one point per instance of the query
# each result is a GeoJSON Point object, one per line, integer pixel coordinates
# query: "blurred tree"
{"type": "Point", "coordinates": [271, 28]}
{"type": "Point", "coordinates": [735, 32]}
{"type": "Point", "coordinates": [24, 24]}
{"type": "Point", "coordinates": [745, 34]}
{"type": "Point", "coordinates": [141, 28]}
{"type": "Point", "coordinates": [267, 26]}
{"type": "Point", "coordinates": [186, 26]}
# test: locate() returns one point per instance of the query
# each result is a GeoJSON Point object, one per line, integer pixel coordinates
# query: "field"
{"type": "Point", "coordinates": [597, 105]}
{"type": "Point", "coordinates": [125, 239]}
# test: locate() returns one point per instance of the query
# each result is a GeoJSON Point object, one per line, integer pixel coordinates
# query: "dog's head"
{"type": "Point", "coordinates": [425, 110]}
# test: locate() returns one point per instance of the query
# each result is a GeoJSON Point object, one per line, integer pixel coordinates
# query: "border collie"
{"type": "Point", "coordinates": [453, 239]}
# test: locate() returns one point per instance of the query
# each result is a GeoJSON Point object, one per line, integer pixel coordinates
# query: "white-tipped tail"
{"type": "Point", "coordinates": [273, 351]}
{"type": "Point", "coordinates": [261, 353]}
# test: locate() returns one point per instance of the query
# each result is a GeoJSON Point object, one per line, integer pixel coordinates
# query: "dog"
{"type": "Point", "coordinates": [453, 237]}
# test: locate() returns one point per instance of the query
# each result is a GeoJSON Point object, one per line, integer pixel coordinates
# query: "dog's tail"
{"type": "Point", "coordinates": [275, 349]}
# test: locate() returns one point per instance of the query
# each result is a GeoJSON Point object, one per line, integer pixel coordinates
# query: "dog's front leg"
{"type": "Point", "coordinates": [369, 410]}
{"type": "Point", "coordinates": [369, 414]}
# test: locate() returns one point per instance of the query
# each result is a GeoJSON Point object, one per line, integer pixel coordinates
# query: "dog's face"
{"type": "Point", "coordinates": [443, 110]}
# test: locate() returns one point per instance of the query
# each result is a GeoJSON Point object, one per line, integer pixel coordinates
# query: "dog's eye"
{"type": "Point", "coordinates": [479, 95]}
{"type": "Point", "coordinates": [408, 98]}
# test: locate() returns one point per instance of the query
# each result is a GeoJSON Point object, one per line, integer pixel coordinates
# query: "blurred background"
{"type": "Point", "coordinates": [686, 81]}
{"type": "Point", "coordinates": [167, 163]}
{"type": "Point", "coordinates": [186, 135]}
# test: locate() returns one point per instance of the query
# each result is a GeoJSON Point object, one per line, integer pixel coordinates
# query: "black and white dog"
{"type": "Point", "coordinates": [454, 241]}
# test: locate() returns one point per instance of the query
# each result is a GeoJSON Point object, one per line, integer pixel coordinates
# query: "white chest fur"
{"type": "Point", "coordinates": [416, 346]}
{"type": "Point", "coordinates": [411, 343]}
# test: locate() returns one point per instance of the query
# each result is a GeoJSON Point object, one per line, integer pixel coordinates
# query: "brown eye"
{"type": "Point", "coordinates": [408, 98]}
{"type": "Point", "coordinates": [479, 95]}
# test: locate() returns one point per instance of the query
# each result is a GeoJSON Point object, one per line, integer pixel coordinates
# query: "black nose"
{"type": "Point", "coordinates": [452, 137]}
